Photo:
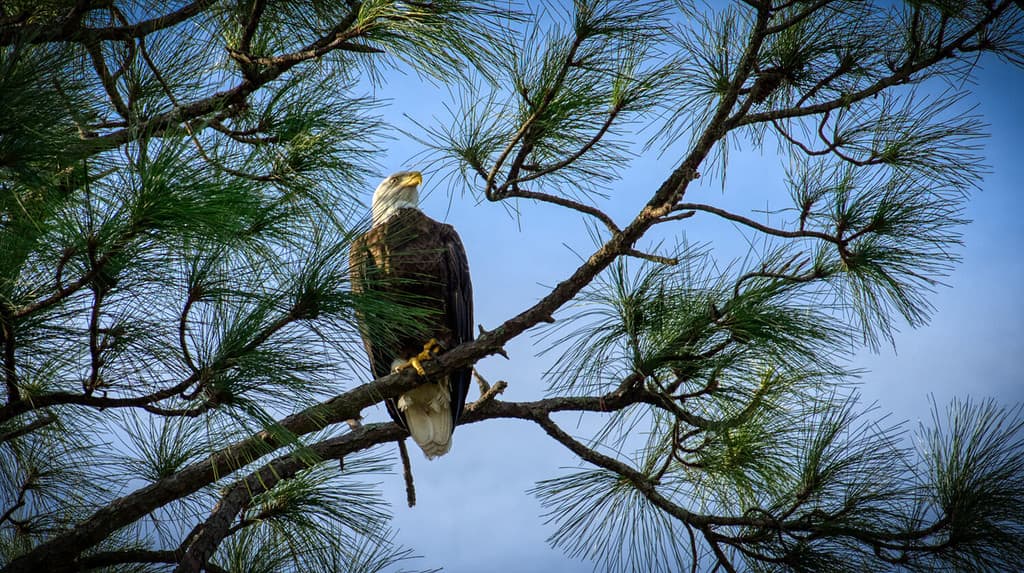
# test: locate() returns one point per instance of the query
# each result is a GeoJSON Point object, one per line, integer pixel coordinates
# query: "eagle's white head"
{"type": "Point", "coordinates": [398, 191]}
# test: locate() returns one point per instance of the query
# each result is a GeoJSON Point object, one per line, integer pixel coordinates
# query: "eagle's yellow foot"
{"type": "Point", "coordinates": [431, 349]}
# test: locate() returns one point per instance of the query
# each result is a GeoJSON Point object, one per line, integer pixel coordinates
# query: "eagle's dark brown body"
{"type": "Point", "coordinates": [422, 264]}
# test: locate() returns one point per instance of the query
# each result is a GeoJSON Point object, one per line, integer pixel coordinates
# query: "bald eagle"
{"type": "Point", "coordinates": [422, 264]}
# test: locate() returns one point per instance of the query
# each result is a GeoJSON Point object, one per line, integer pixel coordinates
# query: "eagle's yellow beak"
{"type": "Point", "coordinates": [413, 178]}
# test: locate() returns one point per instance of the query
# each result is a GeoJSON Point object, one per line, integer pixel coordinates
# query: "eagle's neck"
{"type": "Point", "coordinates": [384, 210]}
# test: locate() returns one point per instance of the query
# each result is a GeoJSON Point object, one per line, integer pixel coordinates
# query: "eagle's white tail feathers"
{"type": "Point", "coordinates": [429, 416]}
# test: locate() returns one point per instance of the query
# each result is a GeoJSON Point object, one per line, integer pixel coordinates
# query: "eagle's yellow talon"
{"type": "Point", "coordinates": [415, 363]}
{"type": "Point", "coordinates": [431, 349]}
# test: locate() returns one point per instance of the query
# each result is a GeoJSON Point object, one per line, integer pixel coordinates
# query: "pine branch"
{"type": "Point", "coordinates": [70, 29]}
{"type": "Point", "coordinates": [198, 378]}
{"type": "Point", "coordinates": [525, 130]}
{"type": "Point", "coordinates": [901, 75]}
{"type": "Point", "coordinates": [135, 505]}
{"type": "Point", "coordinates": [569, 160]}
{"type": "Point", "coordinates": [45, 419]}
{"type": "Point", "coordinates": [107, 79]}
{"type": "Point", "coordinates": [251, 24]}
{"type": "Point", "coordinates": [674, 187]}
{"type": "Point", "coordinates": [108, 558]}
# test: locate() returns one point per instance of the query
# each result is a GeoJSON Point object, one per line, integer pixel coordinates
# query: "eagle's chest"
{"type": "Point", "coordinates": [407, 263]}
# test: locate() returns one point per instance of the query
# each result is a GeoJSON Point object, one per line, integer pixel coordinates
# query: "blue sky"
{"type": "Point", "coordinates": [473, 511]}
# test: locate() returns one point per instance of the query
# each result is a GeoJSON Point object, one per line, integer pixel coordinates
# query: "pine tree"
{"type": "Point", "coordinates": [181, 181]}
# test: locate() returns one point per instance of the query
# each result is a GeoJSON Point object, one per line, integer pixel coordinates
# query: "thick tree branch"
{"type": "Point", "coordinates": [218, 524]}
{"type": "Point", "coordinates": [60, 551]}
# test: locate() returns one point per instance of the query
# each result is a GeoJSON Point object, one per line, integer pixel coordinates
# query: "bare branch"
{"type": "Point", "coordinates": [410, 487]}
{"type": "Point", "coordinates": [253, 22]}
{"type": "Point", "coordinates": [563, 202]}
{"type": "Point", "coordinates": [488, 395]}
{"type": "Point", "coordinates": [758, 226]}
{"type": "Point", "coordinates": [7, 337]}
{"type": "Point", "coordinates": [94, 381]}
{"type": "Point", "coordinates": [20, 501]}
{"type": "Point", "coordinates": [182, 332]}
{"type": "Point", "coordinates": [712, 540]}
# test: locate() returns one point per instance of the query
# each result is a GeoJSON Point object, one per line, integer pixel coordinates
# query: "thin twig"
{"type": "Point", "coordinates": [20, 501]}
{"type": "Point", "coordinates": [723, 560]}
{"type": "Point", "coordinates": [758, 226]}
{"type": "Point", "coordinates": [548, 169]}
{"type": "Point", "coordinates": [671, 261]}
{"type": "Point", "coordinates": [524, 129]}
{"type": "Point", "coordinates": [182, 331]}
{"type": "Point", "coordinates": [95, 351]}
{"type": "Point", "coordinates": [482, 382]}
